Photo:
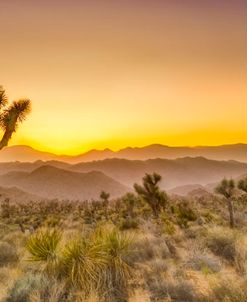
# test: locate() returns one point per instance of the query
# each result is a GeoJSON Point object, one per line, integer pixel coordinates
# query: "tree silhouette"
{"type": "Point", "coordinates": [11, 115]}
{"type": "Point", "coordinates": [151, 193]}
{"type": "Point", "coordinates": [104, 196]}
{"type": "Point", "coordinates": [226, 189]}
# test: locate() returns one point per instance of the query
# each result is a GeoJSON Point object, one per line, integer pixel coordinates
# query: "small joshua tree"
{"type": "Point", "coordinates": [11, 115]}
{"type": "Point", "coordinates": [105, 201]}
{"type": "Point", "coordinates": [226, 189]}
{"type": "Point", "coordinates": [151, 193]}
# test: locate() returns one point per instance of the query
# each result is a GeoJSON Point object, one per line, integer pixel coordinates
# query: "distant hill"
{"type": "Point", "coordinates": [236, 152]}
{"type": "Point", "coordinates": [51, 182]}
{"type": "Point", "coordinates": [186, 189]}
{"type": "Point", "coordinates": [179, 172]}
{"type": "Point", "coordinates": [190, 173]}
{"type": "Point", "coordinates": [30, 166]}
{"type": "Point", "coordinates": [16, 195]}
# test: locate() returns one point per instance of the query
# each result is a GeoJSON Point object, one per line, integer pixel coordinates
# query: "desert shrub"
{"type": "Point", "coordinates": [185, 214]}
{"type": "Point", "coordinates": [143, 250]}
{"type": "Point", "coordinates": [52, 221]}
{"type": "Point", "coordinates": [181, 290]}
{"type": "Point", "coordinates": [8, 254]}
{"type": "Point", "coordinates": [169, 227]}
{"type": "Point", "coordinates": [128, 223]}
{"type": "Point", "coordinates": [200, 261]}
{"type": "Point", "coordinates": [158, 266]}
{"type": "Point", "coordinates": [230, 290]}
{"type": "Point", "coordinates": [50, 290]}
{"type": "Point", "coordinates": [229, 245]}
{"type": "Point", "coordinates": [222, 242]}
{"type": "Point", "coordinates": [24, 287]}
{"type": "Point", "coordinates": [157, 287]}
{"type": "Point", "coordinates": [43, 247]}
{"type": "Point", "coordinates": [16, 238]}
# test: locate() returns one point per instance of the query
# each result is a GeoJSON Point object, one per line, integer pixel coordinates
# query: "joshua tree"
{"type": "Point", "coordinates": [11, 115]}
{"type": "Point", "coordinates": [151, 193]}
{"type": "Point", "coordinates": [226, 188]}
{"type": "Point", "coordinates": [242, 185]}
{"type": "Point", "coordinates": [105, 201]}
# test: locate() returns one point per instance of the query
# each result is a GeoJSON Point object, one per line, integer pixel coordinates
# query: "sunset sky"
{"type": "Point", "coordinates": [126, 72]}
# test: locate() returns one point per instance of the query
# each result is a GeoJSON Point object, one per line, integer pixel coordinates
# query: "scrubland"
{"type": "Point", "coordinates": [124, 249]}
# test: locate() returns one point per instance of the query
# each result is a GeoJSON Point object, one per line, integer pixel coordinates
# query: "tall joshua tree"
{"type": "Point", "coordinates": [151, 193]}
{"type": "Point", "coordinates": [11, 114]}
{"type": "Point", "coordinates": [226, 189]}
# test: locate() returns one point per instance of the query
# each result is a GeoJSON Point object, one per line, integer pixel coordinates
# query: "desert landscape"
{"type": "Point", "coordinates": [123, 151]}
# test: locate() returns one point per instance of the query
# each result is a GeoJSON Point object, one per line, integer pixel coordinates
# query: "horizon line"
{"type": "Point", "coordinates": [121, 149]}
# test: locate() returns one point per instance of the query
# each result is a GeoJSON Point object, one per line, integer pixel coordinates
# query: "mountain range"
{"type": "Point", "coordinates": [54, 179]}
{"type": "Point", "coordinates": [225, 152]}
{"type": "Point", "coordinates": [50, 182]}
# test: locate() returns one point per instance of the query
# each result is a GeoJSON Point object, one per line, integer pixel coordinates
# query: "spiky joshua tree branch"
{"type": "Point", "coordinates": [11, 115]}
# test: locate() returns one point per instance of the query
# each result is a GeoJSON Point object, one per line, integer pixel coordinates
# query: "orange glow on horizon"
{"type": "Point", "coordinates": [125, 74]}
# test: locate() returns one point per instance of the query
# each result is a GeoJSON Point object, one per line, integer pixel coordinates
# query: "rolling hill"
{"type": "Point", "coordinates": [179, 172]}
{"type": "Point", "coordinates": [115, 175]}
{"type": "Point", "coordinates": [16, 195]}
{"type": "Point", "coordinates": [51, 182]}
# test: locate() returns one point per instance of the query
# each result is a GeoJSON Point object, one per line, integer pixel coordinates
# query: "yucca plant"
{"type": "Point", "coordinates": [118, 272]}
{"type": "Point", "coordinates": [83, 262]}
{"type": "Point", "coordinates": [43, 247]}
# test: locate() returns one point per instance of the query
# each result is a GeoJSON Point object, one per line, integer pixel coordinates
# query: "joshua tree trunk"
{"type": "Point", "coordinates": [8, 132]}
{"type": "Point", "coordinates": [231, 212]}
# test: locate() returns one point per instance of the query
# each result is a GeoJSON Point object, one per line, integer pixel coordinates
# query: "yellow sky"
{"type": "Point", "coordinates": [125, 75]}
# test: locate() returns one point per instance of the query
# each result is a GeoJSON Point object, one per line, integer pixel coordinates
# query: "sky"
{"type": "Point", "coordinates": [117, 73]}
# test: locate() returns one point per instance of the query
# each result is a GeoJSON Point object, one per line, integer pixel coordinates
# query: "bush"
{"type": "Point", "coordinates": [8, 254]}
{"type": "Point", "coordinates": [230, 290]}
{"type": "Point", "coordinates": [24, 287]}
{"type": "Point", "coordinates": [229, 245]}
{"type": "Point", "coordinates": [185, 214]}
{"type": "Point", "coordinates": [203, 262]}
{"type": "Point", "coordinates": [222, 243]}
{"type": "Point", "coordinates": [181, 291]}
{"type": "Point", "coordinates": [128, 223]}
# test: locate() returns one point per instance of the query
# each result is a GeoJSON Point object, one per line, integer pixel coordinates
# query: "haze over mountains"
{"type": "Point", "coordinates": [50, 182]}
{"type": "Point", "coordinates": [236, 152]}
{"type": "Point", "coordinates": [53, 179]}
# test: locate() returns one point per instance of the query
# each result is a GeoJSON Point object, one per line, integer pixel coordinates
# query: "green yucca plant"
{"type": "Point", "coordinates": [83, 262]}
{"type": "Point", "coordinates": [43, 247]}
{"type": "Point", "coordinates": [118, 272]}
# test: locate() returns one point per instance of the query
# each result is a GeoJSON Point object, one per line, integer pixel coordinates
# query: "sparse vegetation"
{"type": "Point", "coordinates": [226, 189]}
{"type": "Point", "coordinates": [128, 249]}
{"type": "Point", "coordinates": [151, 193]}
